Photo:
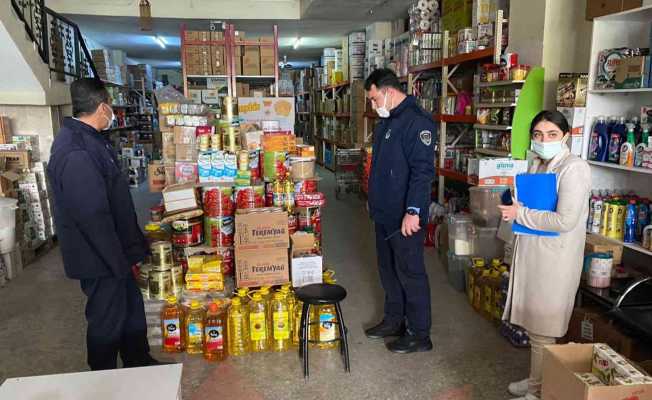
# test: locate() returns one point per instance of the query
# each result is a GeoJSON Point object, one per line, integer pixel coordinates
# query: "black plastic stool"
{"type": "Point", "coordinates": [320, 294]}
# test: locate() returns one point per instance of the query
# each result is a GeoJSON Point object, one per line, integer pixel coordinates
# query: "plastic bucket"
{"type": "Point", "coordinates": [7, 224]}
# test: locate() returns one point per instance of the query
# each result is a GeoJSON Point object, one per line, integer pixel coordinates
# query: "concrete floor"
{"type": "Point", "coordinates": [42, 331]}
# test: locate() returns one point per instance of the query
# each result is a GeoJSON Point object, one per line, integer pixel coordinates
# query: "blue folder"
{"type": "Point", "coordinates": [536, 192]}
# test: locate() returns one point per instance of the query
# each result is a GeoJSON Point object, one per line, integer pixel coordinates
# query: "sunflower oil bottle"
{"type": "Point", "coordinates": [266, 293]}
{"type": "Point", "coordinates": [478, 273]}
{"type": "Point", "coordinates": [492, 283]}
{"type": "Point", "coordinates": [215, 343]}
{"type": "Point", "coordinates": [499, 297]}
{"type": "Point", "coordinates": [288, 198]}
{"type": "Point", "coordinates": [296, 325]}
{"type": "Point", "coordinates": [280, 339]}
{"type": "Point", "coordinates": [243, 295]}
{"type": "Point", "coordinates": [172, 326]}
{"type": "Point", "coordinates": [195, 329]}
{"type": "Point", "coordinates": [471, 275]}
{"type": "Point", "coordinates": [238, 328]}
{"type": "Point", "coordinates": [326, 331]}
{"type": "Point", "coordinates": [258, 321]}
{"type": "Point", "coordinates": [291, 300]}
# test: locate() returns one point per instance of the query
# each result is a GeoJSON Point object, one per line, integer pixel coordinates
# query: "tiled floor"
{"type": "Point", "coordinates": [42, 331]}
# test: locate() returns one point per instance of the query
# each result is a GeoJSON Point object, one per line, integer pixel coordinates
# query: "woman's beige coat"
{"type": "Point", "coordinates": [546, 271]}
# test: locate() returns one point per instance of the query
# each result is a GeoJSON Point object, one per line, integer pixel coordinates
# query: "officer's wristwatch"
{"type": "Point", "coordinates": [411, 211]}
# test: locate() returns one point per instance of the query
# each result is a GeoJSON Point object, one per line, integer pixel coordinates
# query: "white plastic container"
{"type": "Point", "coordinates": [7, 224]}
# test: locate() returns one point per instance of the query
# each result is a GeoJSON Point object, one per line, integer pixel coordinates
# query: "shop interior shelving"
{"type": "Point", "coordinates": [230, 42]}
{"type": "Point", "coordinates": [626, 29]}
{"type": "Point", "coordinates": [328, 146]}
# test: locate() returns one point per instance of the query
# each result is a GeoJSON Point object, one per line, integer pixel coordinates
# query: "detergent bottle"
{"type": "Point", "coordinates": [627, 149]}
{"type": "Point", "coordinates": [172, 326]}
{"type": "Point", "coordinates": [195, 329]}
{"type": "Point", "coordinates": [258, 321]}
{"type": "Point", "coordinates": [280, 339]}
{"type": "Point", "coordinates": [215, 342]}
{"type": "Point", "coordinates": [643, 144]}
{"type": "Point", "coordinates": [599, 141]}
{"type": "Point", "coordinates": [238, 328]}
{"type": "Point", "coordinates": [616, 140]}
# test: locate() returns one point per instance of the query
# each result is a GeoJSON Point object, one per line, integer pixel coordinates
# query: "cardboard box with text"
{"type": "Point", "coordinates": [261, 229]}
{"type": "Point", "coordinates": [261, 267]}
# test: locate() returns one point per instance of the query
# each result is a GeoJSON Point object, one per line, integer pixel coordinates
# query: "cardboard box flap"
{"type": "Point", "coordinates": [302, 241]}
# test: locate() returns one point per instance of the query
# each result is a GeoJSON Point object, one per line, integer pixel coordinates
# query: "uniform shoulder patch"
{"type": "Point", "coordinates": [426, 137]}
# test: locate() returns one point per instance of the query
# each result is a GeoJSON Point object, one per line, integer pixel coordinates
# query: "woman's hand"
{"type": "Point", "coordinates": [510, 212]}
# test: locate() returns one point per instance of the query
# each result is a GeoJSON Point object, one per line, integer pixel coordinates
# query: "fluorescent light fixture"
{"type": "Point", "coordinates": [297, 41]}
{"type": "Point", "coordinates": [160, 41]}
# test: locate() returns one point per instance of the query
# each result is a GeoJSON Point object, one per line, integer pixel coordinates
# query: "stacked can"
{"type": "Point", "coordinates": [164, 277]}
{"type": "Point", "coordinates": [219, 223]}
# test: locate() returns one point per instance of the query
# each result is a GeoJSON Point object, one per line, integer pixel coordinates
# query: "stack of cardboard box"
{"type": "Point", "coordinates": [261, 247]}
{"type": "Point", "coordinates": [356, 46]}
{"type": "Point", "coordinates": [198, 60]}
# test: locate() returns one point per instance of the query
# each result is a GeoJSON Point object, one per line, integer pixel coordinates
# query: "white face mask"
{"type": "Point", "coordinates": [383, 112]}
{"type": "Point", "coordinates": [109, 120]}
{"type": "Point", "coordinates": [548, 150]}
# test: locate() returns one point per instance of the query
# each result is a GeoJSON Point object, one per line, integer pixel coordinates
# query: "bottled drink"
{"type": "Point", "coordinates": [195, 329]}
{"type": "Point", "coordinates": [643, 219]}
{"type": "Point", "coordinates": [215, 341]}
{"type": "Point", "coordinates": [238, 328]}
{"type": "Point", "coordinates": [630, 222]}
{"type": "Point", "coordinates": [258, 331]}
{"type": "Point", "coordinates": [172, 326]}
{"type": "Point", "coordinates": [280, 339]}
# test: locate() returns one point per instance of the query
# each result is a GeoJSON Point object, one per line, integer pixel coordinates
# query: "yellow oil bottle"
{"type": "Point", "coordinates": [499, 296]}
{"type": "Point", "coordinates": [238, 328]}
{"type": "Point", "coordinates": [326, 331]}
{"type": "Point", "coordinates": [478, 276]}
{"type": "Point", "coordinates": [243, 295]}
{"type": "Point", "coordinates": [288, 198]}
{"type": "Point", "coordinates": [195, 329]}
{"type": "Point", "coordinates": [280, 339]}
{"type": "Point", "coordinates": [215, 342]}
{"type": "Point", "coordinates": [496, 263]}
{"type": "Point", "coordinates": [471, 274]}
{"type": "Point", "coordinates": [258, 321]}
{"type": "Point", "coordinates": [298, 308]}
{"type": "Point", "coordinates": [492, 283]}
{"type": "Point", "coordinates": [266, 293]}
{"type": "Point", "coordinates": [291, 300]}
{"type": "Point", "coordinates": [172, 326]}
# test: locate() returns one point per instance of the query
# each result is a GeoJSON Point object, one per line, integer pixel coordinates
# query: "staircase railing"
{"type": "Point", "coordinates": [58, 40]}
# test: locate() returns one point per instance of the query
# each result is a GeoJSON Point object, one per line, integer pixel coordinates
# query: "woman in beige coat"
{"type": "Point", "coordinates": [546, 270]}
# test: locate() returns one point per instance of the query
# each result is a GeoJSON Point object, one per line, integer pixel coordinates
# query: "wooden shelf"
{"type": "Point", "coordinates": [473, 56]}
{"type": "Point", "coordinates": [207, 76]}
{"type": "Point", "coordinates": [493, 153]}
{"type": "Point", "coordinates": [341, 84]}
{"type": "Point", "coordinates": [454, 175]}
{"type": "Point", "coordinates": [204, 43]}
{"type": "Point", "coordinates": [495, 105]}
{"type": "Point", "coordinates": [633, 246]}
{"type": "Point", "coordinates": [425, 67]}
{"type": "Point", "coordinates": [253, 43]}
{"type": "Point", "coordinates": [500, 83]}
{"type": "Point", "coordinates": [621, 167]}
{"type": "Point", "coordinates": [493, 127]}
{"type": "Point", "coordinates": [620, 91]}
{"type": "Point", "coordinates": [461, 119]}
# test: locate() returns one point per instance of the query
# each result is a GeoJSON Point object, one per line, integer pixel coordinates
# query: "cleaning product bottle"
{"type": "Point", "coordinates": [172, 326]}
{"type": "Point", "coordinates": [627, 148]}
{"type": "Point", "coordinates": [636, 121]}
{"type": "Point", "coordinates": [589, 221]}
{"type": "Point", "coordinates": [280, 339]}
{"type": "Point", "coordinates": [238, 328]}
{"type": "Point", "coordinates": [642, 146]}
{"type": "Point", "coordinates": [643, 219]}
{"type": "Point", "coordinates": [326, 332]}
{"type": "Point", "coordinates": [616, 140]}
{"type": "Point", "coordinates": [630, 222]}
{"type": "Point", "coordinates": [598, 207]}
{"type": "Point", "coordinates": [599, 141]}
{"type": "Point", "coordinates": [215, 341]}
{"type": "Point", "coordinates": [258, 331]}
{"type": "Point", "coordinates": [195, 329]}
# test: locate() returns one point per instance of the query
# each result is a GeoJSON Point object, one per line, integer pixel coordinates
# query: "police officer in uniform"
{"type": "Point", "coordinates": [402, 171]}
{"type": "Point", "coordinates": [98, 232]}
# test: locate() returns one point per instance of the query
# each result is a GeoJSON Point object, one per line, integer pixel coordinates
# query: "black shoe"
{"type": "Point", "coordinates": [384, 330]}
{"type": "Point", "coordinates": [409, 344]}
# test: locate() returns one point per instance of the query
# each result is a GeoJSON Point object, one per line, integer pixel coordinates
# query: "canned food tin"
{"type": "Point", "coordinates": [187, 232]}
{"type": "Point", "coordinates": [160, 284]}
{"type": "Point", "coordinates": [161, 255]}
{"type": "Point", "coordinates": [216, 142]}
{"type": "Point", "coordinates": [204, 142]}
{"type": "Point", "coordinates": [250, 196]}
{"type": "Point", "coordinates": [243, 160]}
{"type": "Point", "coordinates": [219, 231]}
{"type": "Point", "coordinates": [293, 223]}
{"type": "Point", "coordinates": [227, 254]}
{"type": "Point", "coordinates": [143, 280]}
{"type": "Point", "coordinates": [218, 201]}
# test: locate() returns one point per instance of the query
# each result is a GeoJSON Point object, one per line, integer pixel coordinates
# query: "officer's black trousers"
{"type": "Point", "coordinates": [116, 323]}
{"type": "Point", "coordinates": [403, 276]}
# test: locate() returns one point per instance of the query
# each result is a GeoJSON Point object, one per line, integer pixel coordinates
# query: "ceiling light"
{"type": "Point", "coordinates": [160, 41]}
{"type": "Point", "coordinates": [296, 43]}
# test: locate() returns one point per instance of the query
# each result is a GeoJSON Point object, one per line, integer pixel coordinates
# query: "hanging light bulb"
{"type": "Point", "coordinates": [145, 15]}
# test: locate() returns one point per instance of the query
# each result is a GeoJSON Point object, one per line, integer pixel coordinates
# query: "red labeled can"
{"type": "Point", "coordinates": [293, 223]}
{"type": "Point", "coordinates": [187, 232]}
{"type": "Point", "coordinates": [218, 201]}
{"type": "Point", "coordinates": [228, 258]}
{"type": "Point", "coordinates": [219, 231]}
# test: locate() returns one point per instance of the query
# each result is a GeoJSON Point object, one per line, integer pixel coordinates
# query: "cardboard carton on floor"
{"type": "Point", "coordinates": [156, 175]}
{"type": "Point", "coordinates": [261, 229]}
{"type": "Point", "coordinates": [562, 362]}
{"type": "Point", "coordinates": [306, 266]}
{"type": "Point", "coordinates": [597, 244]}
{"type": "Point", "coordinates": [257, 268]}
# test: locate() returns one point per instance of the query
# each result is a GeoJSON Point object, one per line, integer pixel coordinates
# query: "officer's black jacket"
{"type": "Point", "coordinates": [403, 165]}
{"type": "Point", "coordinates": [93, 211]}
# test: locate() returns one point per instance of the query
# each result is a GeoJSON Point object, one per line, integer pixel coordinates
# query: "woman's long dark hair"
{"type": "Point", "coordinates": [554, 117]}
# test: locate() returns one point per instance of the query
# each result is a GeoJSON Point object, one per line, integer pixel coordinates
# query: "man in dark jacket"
{"type": "Point", "coordinates": [98, 232]}
{"type": "Point", "coordinates": [402, 171]}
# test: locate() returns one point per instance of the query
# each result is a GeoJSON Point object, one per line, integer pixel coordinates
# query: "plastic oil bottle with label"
{"type": "Point", "coordinates": [195, 329]}
{"type": "Point", "coordinates": [258, 321]}
{"type": "Point", "coordinates": [288, 197]}
{"type": "Point", "coordinates": [238, 328]}
{"type": "Point", "coordinates": [326, 331]}
{"type": "Point", "coordinates": [478, 282]}
{"type": "Point", "coordinates": [215, 341]}
{"type": "Point", "coordinates": [280, 339]}
{"type": "Point", "coordinates": [172, 326]}
{"type": "Point", "coordinates": [291, 300]}
{"type": "Point", "coordinates": [470, 277]}
{"type": "Point", "coordinates": [266, 293]}
{"type": "Point", "coordinates": [499, 294]}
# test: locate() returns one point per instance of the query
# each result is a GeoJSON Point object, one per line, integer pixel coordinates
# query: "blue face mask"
{"type": "Point", "coordinates": [548, 150]}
